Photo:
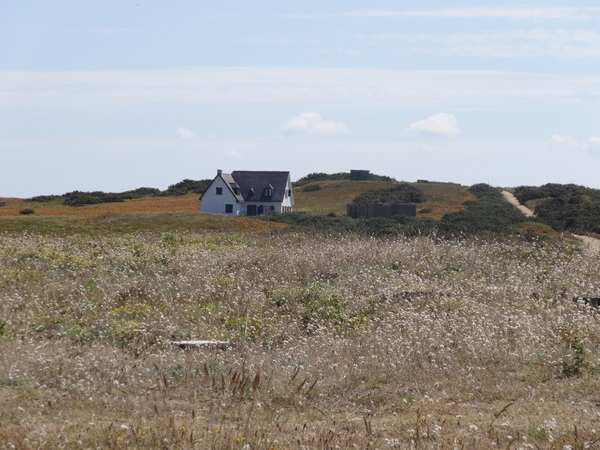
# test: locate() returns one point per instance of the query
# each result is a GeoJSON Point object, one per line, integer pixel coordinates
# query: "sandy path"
{"type": "Point", "coordinates": [513, 200]}
{"type": "Point", "coordinates": [591, 245]}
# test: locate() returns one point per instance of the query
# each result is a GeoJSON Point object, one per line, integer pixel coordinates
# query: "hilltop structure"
{"type": "Point", "coordinates": [248, 193]}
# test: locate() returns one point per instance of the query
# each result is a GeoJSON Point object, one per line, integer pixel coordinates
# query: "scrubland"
{"type": "Point", "coordinates": [341, 341]}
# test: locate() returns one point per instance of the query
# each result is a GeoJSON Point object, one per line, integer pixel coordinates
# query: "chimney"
{"type": "Point", "coordinates": [219, 171]}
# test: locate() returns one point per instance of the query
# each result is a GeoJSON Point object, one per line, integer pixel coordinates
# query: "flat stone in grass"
{"type": "Point", "coordinates": [218, 345]}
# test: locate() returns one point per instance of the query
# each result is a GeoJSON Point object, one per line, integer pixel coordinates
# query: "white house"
{"type": "Point", "coordinates": [248, 193]}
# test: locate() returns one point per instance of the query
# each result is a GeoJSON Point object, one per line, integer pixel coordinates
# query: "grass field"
{"type": "Point", "coordinates": [340, 342]}
{"type": "Point", "coordinates": [151, 214]}
{"type": "Point", "coordinates": [335, 195]}
{"type": "Point", "coordinates": [182, 212]}
{"type": "Point", "coordinates": [186, 203]}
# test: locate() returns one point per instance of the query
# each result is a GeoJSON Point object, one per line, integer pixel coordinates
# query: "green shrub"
{"type": "Point", "coordinates": [321, 176]}
{"type": "Point", "coordinates": [78, 198]}
{"type": "Point", "coordinates": [566, 207]}
{"type": "Point", "coordinates": [312, 188]}
{"type": "Point", "coordinates": [573, 361]}
{"type": "Point", "coordinates": [186, 186]}
{"type": "Point", "coordinates": [140, 193]}
{"type": "Point", "coordinates": [489, 212]}
{"type": "Point", "coordinates": [44, 198]}
{"type": "Point", "coordinates": [27, 211]}
{"type": "Point", "coordinates": [317, 306]}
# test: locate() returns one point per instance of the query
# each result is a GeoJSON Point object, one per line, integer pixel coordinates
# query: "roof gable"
{"type": "Point", "coordinates": [255, 186]}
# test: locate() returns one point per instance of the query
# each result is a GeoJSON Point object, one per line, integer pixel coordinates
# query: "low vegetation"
{"type": "Point", "coordinates": [488, 212]}
{"type": "Point", "coordinates": [453, 329]}
{"type": "Point", "coordinates": [320, 176]}
{"type": "Point", "coordinates": [399, 193]}
{"type": "Point", "coordinates": [331, 223]}
{"type": "Point", "coordinates": [564, 207]}
{"type": "Point", "coordinates": [78, 198]}
{"type": "Point", "coordinates": [341, 341]}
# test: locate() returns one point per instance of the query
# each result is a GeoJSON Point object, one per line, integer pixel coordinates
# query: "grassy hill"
{"type": "Point", "coordinates": [333, 196]}
{"type": "Point", "coordinates": [159, 214]}
{"type": "Point", "coordinates": [182, 212]}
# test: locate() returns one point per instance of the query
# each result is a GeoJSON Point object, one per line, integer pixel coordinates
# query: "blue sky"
{"type": "Point", "coordinates": [116, 95]}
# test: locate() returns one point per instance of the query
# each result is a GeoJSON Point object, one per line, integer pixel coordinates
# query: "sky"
{"type": "Point", "coordinates": [121, 94]}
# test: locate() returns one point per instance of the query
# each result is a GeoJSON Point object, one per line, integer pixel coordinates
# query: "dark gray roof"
{"type": "Point", "coordinates": [253, 185]}
{"type": "Point", "coordinates": [228, 179]}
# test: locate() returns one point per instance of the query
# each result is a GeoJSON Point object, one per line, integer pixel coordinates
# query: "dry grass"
{"type": "Point", "coordinates": [335, 195]}
{"type": "Point", "coordinates": [147, 204]}
{"type": "Point", "coordinates": [341, 342]}
{"type": "Point", "coordinates": [144, 214]}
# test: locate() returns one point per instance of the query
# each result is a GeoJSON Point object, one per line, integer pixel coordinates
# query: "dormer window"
{"type": "Point", "coordinates": [268, 192]}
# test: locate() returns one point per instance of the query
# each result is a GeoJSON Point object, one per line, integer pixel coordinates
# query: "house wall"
{"type": "Point", "coordinates": [288, 200]}
{"type": "Point", "coordinates": [266, 207]}
{"type": "Point", "coordinates": [214, 203]}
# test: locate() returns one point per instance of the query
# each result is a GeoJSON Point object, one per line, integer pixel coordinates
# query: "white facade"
{"type": "Point", "coordinates": [219, 198]}
{"type": "Point", "coordinates": [225, 195]}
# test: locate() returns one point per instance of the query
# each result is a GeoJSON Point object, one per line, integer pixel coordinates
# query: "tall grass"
{"type": "Point", "coordinates": [340, 341]}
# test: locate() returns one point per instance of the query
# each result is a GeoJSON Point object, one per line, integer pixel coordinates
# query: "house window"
{"type": "Point", "coordinates": [268, 192]}
{"type": "Point", "coordinates": [219, 191]}
{"type": "Point", "coordinates": [272, 208]}
{"type": "Point", "coordinates": [228, 208]}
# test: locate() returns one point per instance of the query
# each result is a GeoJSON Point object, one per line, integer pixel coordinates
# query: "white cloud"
{"type": "Point", "coordinates": [513, 43]}
{"type": "Point", "coordinates": [487, 12]}
{"type": "Point", "coordinates": [184, 133]}
{"type": "Point", "coordinates": [313, 123]}
{"type": "Point", "coordinates": [84, 90]}
{"type": "Point", "coordinates": [442, 124]}
{"type": "Point", "coordinates": [572, 143]}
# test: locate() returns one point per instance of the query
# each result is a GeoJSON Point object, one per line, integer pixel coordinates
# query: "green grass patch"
{"type": "Point", "coordinates": [536, 229]}
{"type": "Point", "coordinates": [132, 223]}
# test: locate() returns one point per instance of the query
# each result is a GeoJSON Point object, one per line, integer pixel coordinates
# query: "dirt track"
{"type": "Point", "coordinates": [590, 245]}
{"type": "Point", "coordinates": [513, 200]}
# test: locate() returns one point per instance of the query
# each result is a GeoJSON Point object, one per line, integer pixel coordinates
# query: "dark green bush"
{"type": "Point", "coordinates": [78, 198]}
{"type": "Point", "coordinates": [27, 211]}
{"type": "Point", "coordinates": [186, 186]}
{"type": "Point", "coordinates": [44, 198]}
{"type": "Point", "coordinates": [321, 176]}
{"type": "Point", "coordinates": [140, 193]}
{"type": "Point", "coordinates": [312, 188]}
{"type": "Point", "coordinates": [567, 207]}
{"type": "Point", "coordinates": [489, 212]}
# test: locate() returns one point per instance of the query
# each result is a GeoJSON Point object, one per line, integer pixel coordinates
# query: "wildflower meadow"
{"type": "Point", "coordinates": [341, 341]}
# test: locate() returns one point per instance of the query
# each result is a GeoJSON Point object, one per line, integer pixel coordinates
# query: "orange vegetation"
{"type": "Point", "coordinates": [147, 204]}
{"type": "Point", "coordinates": [438, 209]}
